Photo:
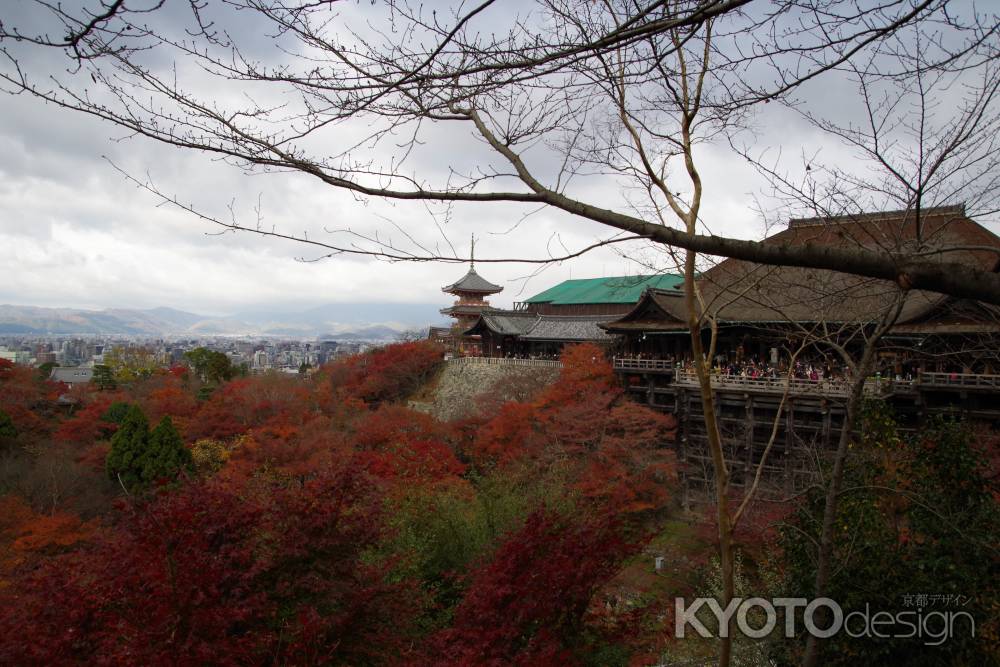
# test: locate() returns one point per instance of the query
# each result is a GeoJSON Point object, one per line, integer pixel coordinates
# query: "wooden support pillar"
{"type": "Point", "coordinates": [683, 415]}
{"type": "Point", "coordinates": [749, 420]}
{"type": "Point", "coordinates": [789, 445]}
{"type": "Point", "coordinates": [827, 425]}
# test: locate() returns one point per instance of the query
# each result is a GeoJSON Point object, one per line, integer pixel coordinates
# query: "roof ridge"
{"type": "Point", "coordinates": [503, 312]}
{"type": "Point", "coordinates": [850, 218]}
{"type": "Point", "coordinates": [555, 316]}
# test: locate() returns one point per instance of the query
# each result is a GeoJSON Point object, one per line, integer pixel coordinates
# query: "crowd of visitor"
{"type": "Point", "coordinates": [754, 368]}
{"type": "Point", "coordinates": [813, 370]}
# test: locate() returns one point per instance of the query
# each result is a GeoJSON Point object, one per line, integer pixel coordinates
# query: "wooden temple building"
{"type": "Point", "coordinates": [940, 354]}
{"type": "Point", "coordinates": [571, 312]}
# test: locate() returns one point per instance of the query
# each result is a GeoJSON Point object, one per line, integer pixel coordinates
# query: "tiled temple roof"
{"type": "Point", "coordinates": [472, 282]}
{"type": "Point", "coordinates": [529, 326]}
{"type": "Point", "coordinates": [738, 291]}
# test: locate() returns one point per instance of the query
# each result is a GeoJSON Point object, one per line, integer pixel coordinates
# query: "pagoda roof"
{"type": "Point", "coordinates": [464, 309]}
{"type": "Point", "coordinates": [472, 282]}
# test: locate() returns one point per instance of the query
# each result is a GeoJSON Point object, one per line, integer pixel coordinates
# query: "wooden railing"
{"type": "Point", "coordinates": [968, 380]}
{"type": "Point", "coordinates": [779, 385]}
{"type": "Point", "coordinates": [835, 387]}
{"type": "Point", "coordinates": [873, 386]}
{"type": "Point", "coordinates": [507, 361]}
{"type": "Point", "coordinates": [636, 364]}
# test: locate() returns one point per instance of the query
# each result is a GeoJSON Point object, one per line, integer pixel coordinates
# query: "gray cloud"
{"type": "Point", "coordinates": [77, 234]}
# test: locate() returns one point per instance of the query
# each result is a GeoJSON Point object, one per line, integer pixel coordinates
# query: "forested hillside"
{"type": "Point", "coordinates": [184, 518]}
{"type": "Point", "coordinates": [305, 520]}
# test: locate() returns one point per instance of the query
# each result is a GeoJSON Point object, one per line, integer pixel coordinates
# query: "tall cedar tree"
{"type": "Point", "coordinates": [103, 378]}
{"type": "Point", "coordinates": [166, 454]}
{"type": "Point", "coordinates": [7, 428]}
{"type": "Point", "coordinates": [127, 446]}
{"type": "Point", "coordinates": [140, 457]}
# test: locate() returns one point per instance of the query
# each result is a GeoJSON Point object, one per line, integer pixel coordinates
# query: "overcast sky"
{"type": "Point", "coordinates": [74, 233]}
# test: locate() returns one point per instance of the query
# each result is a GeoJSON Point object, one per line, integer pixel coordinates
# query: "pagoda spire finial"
{"type": "Point", "coordinates": [472, 254]}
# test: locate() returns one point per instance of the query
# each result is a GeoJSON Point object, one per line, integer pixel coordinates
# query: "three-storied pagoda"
{"type": "Point", "coordinates": [471, 291]}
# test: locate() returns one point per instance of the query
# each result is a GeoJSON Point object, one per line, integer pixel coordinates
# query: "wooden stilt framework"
{"type": "Point", "coordinates": [808, 426]}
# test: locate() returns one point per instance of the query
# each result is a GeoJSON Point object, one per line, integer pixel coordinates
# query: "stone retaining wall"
{"type": "Point", "coordinates": [463, 381]}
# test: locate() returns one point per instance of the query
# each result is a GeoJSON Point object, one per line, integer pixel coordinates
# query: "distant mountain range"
{"type": "Point", "coordinates": [342, 321]}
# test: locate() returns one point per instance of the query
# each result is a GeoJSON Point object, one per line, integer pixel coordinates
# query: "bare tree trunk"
{"type": "Point", "coordinates": [702, 368]}
{"type": "Point", "coordinates": [830, 506]}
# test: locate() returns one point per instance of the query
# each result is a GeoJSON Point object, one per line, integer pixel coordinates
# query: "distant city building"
{"type": "Point", "coordinates": [45, 358]}
{"type": "Point", "coordinates": [16, 356]}
{"type": "Point", "coordinates": [72, 375]}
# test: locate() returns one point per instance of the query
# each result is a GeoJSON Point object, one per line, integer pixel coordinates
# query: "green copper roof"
{"type": "Point", "coordinates": [617, 289]}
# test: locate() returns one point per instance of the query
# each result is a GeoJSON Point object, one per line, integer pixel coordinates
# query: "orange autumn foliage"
{"type": "Point", "coordinates": [85, 426]}
{"type": "Point", "coordinates": [613, 450]}
{"type": "Point", "coordinates": [398, 443]}
{"type": "Point", "coordinates": [26, 535]}
{"type": "Point", "coordinates": [381, 375]}
{"type": "Point", "coordinates": [24, 398]}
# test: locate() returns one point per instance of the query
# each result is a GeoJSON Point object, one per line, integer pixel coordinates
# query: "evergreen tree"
{"type": "Point", "coordinates": [116, 413]}
{"type": "Point", "coordinates": [128, 446]}
{"type": "Point", "coordinates": [45, 370]}
{"type": "Point", "coordinates": [166, 453]}
{"type": "Point", "coordinates": [916, 515]}
{"type": "Point", "coordinates": [7, 428]}
{"type": "Point", "coordinates": [211, 366]}
{"type": "Point", "coordinates": [103, 377]}
{"type": "Point", "coordinates": [139, 456]}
